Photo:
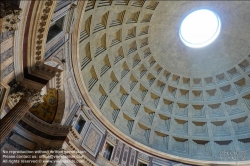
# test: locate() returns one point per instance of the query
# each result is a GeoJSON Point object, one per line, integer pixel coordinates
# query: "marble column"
{"type": "Point", "coordinates": [28, 97]}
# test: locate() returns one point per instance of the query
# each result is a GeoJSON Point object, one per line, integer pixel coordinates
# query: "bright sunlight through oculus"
{"type": "Point", "coordinates": [200, 28]}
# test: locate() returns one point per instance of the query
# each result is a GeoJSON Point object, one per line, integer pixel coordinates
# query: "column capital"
{"type": "Point", "coordinates": [32, 96]}
{"type": "Point", "coordinates": [9, 16]}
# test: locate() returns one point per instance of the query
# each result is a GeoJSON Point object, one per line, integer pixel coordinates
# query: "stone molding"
{"type": "Point", "coordinates": [60, 107]}
{"type": "Point", "coordinates": [57, 81]}
{"type": "Point", "coordinates": [39, 124]}
{"type": "Point", "coordinates": [71, 18]}
{"type": "Point", "coordinates": [73, 134]}
{"type": "Point", "coordinates": [44, 72]}
{"type": "Point", "coordinates": [40, 21]}
{"type": "Point", "coordinates": [87, 111]}
{"type": "Point", "coordinates": [39, 13]}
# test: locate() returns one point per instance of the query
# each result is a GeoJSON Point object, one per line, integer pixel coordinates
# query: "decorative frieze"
{"type": "Point", "coordinates": [125, 156]}
{"type": "Point", "coordinates": [132, 157]}
{"type": "Point", "coordinates": [118, 152]}
{"type": "Point", "coordinates": [58, 80]}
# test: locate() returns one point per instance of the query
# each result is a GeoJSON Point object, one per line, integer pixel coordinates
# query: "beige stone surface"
{"type": "Point", "coordinates": [92, 140]}
{"type": "Point", "coordinates": [9, 77]}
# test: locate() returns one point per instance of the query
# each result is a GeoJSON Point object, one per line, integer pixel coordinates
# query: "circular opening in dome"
{"type": "Point", "coordinates": [200, 28]}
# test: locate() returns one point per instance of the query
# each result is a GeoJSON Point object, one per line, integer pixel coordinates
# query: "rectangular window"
{"type": "Point", "coordinates": [108, 149]}
{"type": "Point", "coordinates": [141, 164]}
{"type": "Point", "coordinates": [80, 124]}
{"type": "Point", "coordinates": [55, 29]}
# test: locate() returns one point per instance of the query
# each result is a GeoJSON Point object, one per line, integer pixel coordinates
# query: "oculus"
{"type": "Point", "coordinates": [200, 28]}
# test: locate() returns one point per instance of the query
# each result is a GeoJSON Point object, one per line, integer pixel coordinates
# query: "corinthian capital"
{"type": "Point", "coordinates": [9, 16]}
{"type": "Point", "coordinates": [21, 92]}
{"type": "Point", "coordinates": [32, 96]}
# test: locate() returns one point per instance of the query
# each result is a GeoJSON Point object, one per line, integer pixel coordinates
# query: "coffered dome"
{"type": "Point", "coordinates": [179, 100]}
